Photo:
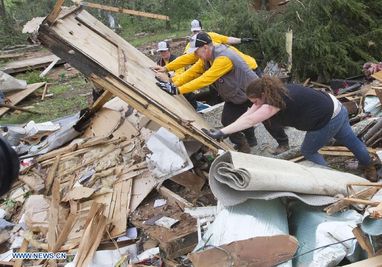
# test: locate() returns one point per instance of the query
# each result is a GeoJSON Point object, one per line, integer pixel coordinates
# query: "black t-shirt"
{"type": "Point", "coordinates": [306, 109]}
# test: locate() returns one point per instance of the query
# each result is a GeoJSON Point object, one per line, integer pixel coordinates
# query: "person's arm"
{"type": "Point", "coordinates": [250, 110]}
{"type": "Point", "coordinates": [182, 61]}
{"type": "Point", "coordinates": [220, 67]}
{"type": "Point", "coordinates": [252, 118]}
{"type": "Point", "coordinates": [192, 73]}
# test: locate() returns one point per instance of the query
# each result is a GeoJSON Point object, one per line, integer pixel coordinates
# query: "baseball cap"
{"type": "Point", "coordinates": [163, 46]}
{"type": "Point", "coordinates": [196, 25]}
{"type": "Point", "coordinates": [198, 40]}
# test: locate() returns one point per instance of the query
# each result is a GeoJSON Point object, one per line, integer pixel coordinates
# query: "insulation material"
{"type": "Point", "coordinates": [9, 83]}
{"type": "Point", "coordinates": [169, 156]}
{"type": "Point", "coordinates": [369, 225]}
{"type": "Point", "coordinates": [314, 228]}
{"type": "Point", "coordinates": [235, 177]}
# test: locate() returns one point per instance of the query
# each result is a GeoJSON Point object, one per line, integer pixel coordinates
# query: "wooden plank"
{"type": "Point", "coordinates": [97, 105]}
{"type": "Point", "coordinates": [361, 201]}
{"type": "Point", "coordinates": [125, 11]}
{"type": "Point", "coordinates": [142, 186]}
{"type": "Point", "coordinates": [51, 174]}
{"type": "Point", "coordinates": [44, 91]}
{"type": "Point", "coordinates": [18, 108]}
{"type": "Point", "coordinates": [342, 203]}
{"type": "Point", "coordinates": [30, 64]}
{"type": "Point", "coordinates": [23, 248]}
{"type": "Point", "coordinates": [17, 97]}
{"type": "Point", "coordinates": [45, 72]}
{"type": "Point", "coordinates": [55, 12]}
{"type": "Point", "coordinates": [377, 76]}
{"type": "Point", "coordinates": [62, 237]}
{"type": "Point", "coordinates": [371, 262]}
{"type": "Point", "coordinates": [174, 198]}
{"type": "Point", "coordinates": [122, 193]}
{"type": "Point", "coordinates": [54, 215]}
{"type": "Point", "coordinates": [363, 241]}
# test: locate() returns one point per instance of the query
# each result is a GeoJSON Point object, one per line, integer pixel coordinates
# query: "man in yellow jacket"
{"type": "Point", "coordinates": [190, 58]}
{"type": "Point", "coordinates": [228, 70]}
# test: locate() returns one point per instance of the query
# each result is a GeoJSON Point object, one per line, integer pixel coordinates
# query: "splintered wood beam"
{"type": "Point", "coordinates": [125, 11]}
{"type": "Point", "coordinates": [97, 105]}
{"type": "Point", "coordinates": [363, 241]}
{"type": "Point", "coordinates": [55, 12]}
{"type": "Point", "coordinates": [343, 203]}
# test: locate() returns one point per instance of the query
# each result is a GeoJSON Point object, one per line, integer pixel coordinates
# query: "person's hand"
{"type": "Point", "coordinates": [162, 77]}
{"type": "Point", "coordinates": [215, 133]}
{"type": "Point", "coordinates": [159, 68]}
{"type": "Point", "coordinates": [168, 87]}
{"type": "Point", "coordinates": [246, 40]}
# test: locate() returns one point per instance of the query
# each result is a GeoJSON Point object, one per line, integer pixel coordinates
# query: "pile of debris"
{"type": "Point", "coordinates": [125, 181]}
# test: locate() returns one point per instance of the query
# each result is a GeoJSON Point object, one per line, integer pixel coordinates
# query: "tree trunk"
{"type": "Point", "coordinates": [2, 9]}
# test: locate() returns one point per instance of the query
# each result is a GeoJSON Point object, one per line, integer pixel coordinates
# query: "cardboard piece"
{"type": "Point", "coordinates": [256, 251]}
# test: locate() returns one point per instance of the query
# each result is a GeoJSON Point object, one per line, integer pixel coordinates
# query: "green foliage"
{"type": "Point", "coordinates": [32, 77]}
{"type": "Point", "coordinates": [332, 38]}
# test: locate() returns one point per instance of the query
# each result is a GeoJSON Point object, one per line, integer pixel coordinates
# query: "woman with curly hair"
{"type": "Point", "coordinates": [318, 113]}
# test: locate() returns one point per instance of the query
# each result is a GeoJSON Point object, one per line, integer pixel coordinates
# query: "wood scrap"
{"type": "Point", "coordinates": [51, 65]}
{"type": "Point", "coordinates": [377, 76]}
{"type": "Point", "coordinates": [342, 204]}
{"type": "Point", "coordinates": [370, 262]}
{"type": "Point", "coordinates": [10, 55]}
{"type": "Point", "coordinates": [376, 212]}
{"type": "Point", "coordinates": [30, 64]}
{"type": "Point", "coordinates": [51, 174]}
{"type": "Point", "coordinates": [122, 198]}
{"type": "Point", "coordinates": [54, 215]}
{"type": "Point", "coordinates": [78, 192]}
{"type": "Point", "coordinates": [23, 248]}
{"type": "Point", "coordinates": [142, 186]}
{"type": "Point", "coordinates": [256, 251]}
{"type": "Point", "coordinates": [17, 97]}
{"type": "Point", "coordinates": [44, 91]}
{"type": "Point", "coordinates": [189, 180]}
{"type": "Point", "coordinates": [174, 198]}
{"type": "Point", "coordinates": [18, 108]}
{"type": "Point", "coordinates": [104, 123]}
{"type": "Point", "coordinates": [55, 12]}
{"type": "Point", "coordinates": [95, 229]}
{"type": "Point", "coordinates": [125, 11]}
{"type": "Point", "coordinates": [363, 241]}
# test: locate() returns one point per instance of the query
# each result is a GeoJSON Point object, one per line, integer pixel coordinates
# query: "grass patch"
{"type": "Point", "coordinates": [31, 77]}
{"type": "Point", "coordinates": [68, 98]}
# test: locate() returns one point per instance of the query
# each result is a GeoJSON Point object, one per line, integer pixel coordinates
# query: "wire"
{"type": "Point", "coordinates": [312, 250]}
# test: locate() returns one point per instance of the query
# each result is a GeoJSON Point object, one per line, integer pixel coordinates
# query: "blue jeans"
{"type": "Point", "coordinates": [338, 128]}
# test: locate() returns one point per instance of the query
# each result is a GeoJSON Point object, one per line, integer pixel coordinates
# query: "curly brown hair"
{"type": "Point", "coordinates": [271, 87]}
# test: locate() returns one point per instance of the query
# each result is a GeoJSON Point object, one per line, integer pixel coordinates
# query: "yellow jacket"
{"type": "Point", "coordinates": [191, 58]}
{"type": "Point", "coordinates": [198, 77]}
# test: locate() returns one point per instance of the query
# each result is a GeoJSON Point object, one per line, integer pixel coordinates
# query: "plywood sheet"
{"type": "Point", "coordinates": [30, 64]}
{"type": "Point", "coordinates": [96, 50]}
